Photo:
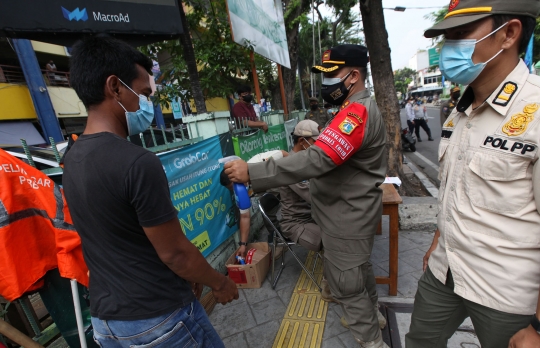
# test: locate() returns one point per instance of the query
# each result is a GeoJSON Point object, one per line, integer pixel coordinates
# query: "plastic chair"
{"type": "Point", "coordinates": [267, 203]}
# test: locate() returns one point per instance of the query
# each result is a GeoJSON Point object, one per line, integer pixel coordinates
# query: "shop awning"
{"type": "Point", "coordinates": [11, 133]}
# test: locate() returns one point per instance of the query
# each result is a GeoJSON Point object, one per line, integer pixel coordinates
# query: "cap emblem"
{"type": "Point", "coordinates": [347, 126]}
{"type": "Point", "coordinates": [326, 56]}
{"type": "Point", "coordinates": [453, 5]}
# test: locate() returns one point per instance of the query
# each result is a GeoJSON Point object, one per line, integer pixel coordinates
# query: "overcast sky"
{"type": "Point", "coordinates": [406, 29]}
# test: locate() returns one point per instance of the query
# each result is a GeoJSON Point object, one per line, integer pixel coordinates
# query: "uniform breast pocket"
{"type": "Point", "coordinates": [499, 184]}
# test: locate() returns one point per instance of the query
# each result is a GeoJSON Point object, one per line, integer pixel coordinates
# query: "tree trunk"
{"type": "Point", "coordinates": [383, 80]}
{"type": "Point", "coordinates": [189, 57]}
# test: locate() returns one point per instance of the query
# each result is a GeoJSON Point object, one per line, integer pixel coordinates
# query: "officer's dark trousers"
{"type": "Point", "coordinates": [438, 312]}
{"type": "Point", "coordinates": [411, 127]}
{"type": "Point", "coordinates": [352, 283]}
{"type": "Point", "coordinates": [420, 122]}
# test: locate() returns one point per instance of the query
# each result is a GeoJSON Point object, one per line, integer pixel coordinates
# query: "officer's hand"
{"type": "Point", "coordinates": [431, 248]}
{"type": "Point", "coordinates": [226, 292]}
{"type": "Point", "coordinates": [525, 338]}
{"type": "Point", "coordinates": [265, 127]}
{"type": "Point", "coordinates": [284, 153]}
{"type": "Point", "coordinates": [412, 122]}
{"type": "Point", "coordinates": [241, 251]}
{"type": "Point", "coordinates": [237, 171]}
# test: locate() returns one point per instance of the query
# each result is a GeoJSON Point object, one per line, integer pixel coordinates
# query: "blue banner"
{"type": "Point", "coordinates": [529, 54]}
{"type": "Point", "coordinates": [205, 209]}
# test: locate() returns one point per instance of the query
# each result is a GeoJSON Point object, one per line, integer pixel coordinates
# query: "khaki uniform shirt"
{"type": "Point", "coordinates": [489, 197]}
{"type": "Point", "coordinates": [320, 116]}
{"type": "Point", "coordinates": [347, 164]}
{"type": "Point", "coordinates": [446, 109]}
{"type": "Point", "coordinates": [295, 205]}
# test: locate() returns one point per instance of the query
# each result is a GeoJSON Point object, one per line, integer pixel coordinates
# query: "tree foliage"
{"type": "Point", "coordinates": [222, 64]}
{"type": "Point", "coordinates": [402, 78]}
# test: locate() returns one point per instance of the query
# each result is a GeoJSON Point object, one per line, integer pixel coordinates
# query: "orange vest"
{"type": "Point", "coordinates": [36, 230]}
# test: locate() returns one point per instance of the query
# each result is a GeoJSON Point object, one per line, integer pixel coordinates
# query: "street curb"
{"type": "Point", "coordinates": [419, 213]}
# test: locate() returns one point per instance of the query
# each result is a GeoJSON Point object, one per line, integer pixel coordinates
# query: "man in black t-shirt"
{"type": "Point", "coordinates": [142, 267]}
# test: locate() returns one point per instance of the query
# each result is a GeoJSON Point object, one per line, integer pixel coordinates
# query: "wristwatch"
{"type": "Point", "coordinates": [242, 243]}
{"type": "Point", "coordinates": [535, 323]}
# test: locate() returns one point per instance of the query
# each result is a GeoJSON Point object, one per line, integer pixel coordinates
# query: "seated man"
{"type": "Point", "coordinates": [243, 217]}
{"type": "Point", "coordinates": [297, 223]}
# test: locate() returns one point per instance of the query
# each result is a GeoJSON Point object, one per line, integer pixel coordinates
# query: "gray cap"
{"type": "Point", "coordinates": [461, 12]}
{"type": "Point", "coordinates": [307, 129]}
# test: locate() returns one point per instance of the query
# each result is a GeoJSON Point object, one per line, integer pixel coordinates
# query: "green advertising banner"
{"type": "Point", "coordinates": [433, 54]}
{"type": "Point", "coordinates": [247, 146]}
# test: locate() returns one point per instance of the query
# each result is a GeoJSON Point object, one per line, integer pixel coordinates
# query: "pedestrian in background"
{"type": "Point", "coordinates": [409, 109]}
{"type": "Point", "coordinates": [484, 262]}
{"type": "Point", "coordinates": [316, 113]}
{"type": "Point", "coordinates": [448, 105]}
{"type": "Point", "coordinates": [243, 111]}
{"type": "Point", "coordinates": [420, 120]}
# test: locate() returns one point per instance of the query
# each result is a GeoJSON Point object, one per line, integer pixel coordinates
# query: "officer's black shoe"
{"type": "Point", "coordinates": [430, 139]}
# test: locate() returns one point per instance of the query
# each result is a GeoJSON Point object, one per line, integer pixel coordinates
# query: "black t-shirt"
{"type": "Point", "coordinates": [113, 188]}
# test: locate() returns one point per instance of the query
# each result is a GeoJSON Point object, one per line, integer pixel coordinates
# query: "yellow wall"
{"type": "Point", "coordinates": [48, 48]}
{"type": "Point", "coordinates": [66, 103]}
{"type": "Point", "coordinates": [15, 102]}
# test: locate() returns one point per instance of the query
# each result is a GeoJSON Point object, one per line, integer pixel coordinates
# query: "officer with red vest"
{"type": "Point", "coordinates": [346, 165]}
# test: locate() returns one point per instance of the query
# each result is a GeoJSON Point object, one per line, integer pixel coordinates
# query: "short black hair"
{"type": "Point", "coordinates": [295, 138]}
{"type": "Point", "coordinates": [243, 89]}
{"type": "Point", "coordinates": [224, 179]}
{"type": "Point", "coordinates": [95, 58]}
{"type": "Point", "coordinates": [527, 23]}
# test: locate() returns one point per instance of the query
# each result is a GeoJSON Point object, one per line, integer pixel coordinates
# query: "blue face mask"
{"type": "Point", "coordinates": [456, 59]}
{"type": "Point", "coordinates": [138, 121]}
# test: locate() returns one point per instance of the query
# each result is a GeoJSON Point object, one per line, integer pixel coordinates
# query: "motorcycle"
{"type": "Point", "coordinates": [408, 141]}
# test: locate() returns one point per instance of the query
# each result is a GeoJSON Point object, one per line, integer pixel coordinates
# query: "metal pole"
{"type": "Point", "coordinates": [313, 32]}
{"type": "Point", "coordinates": [255, 77]}
{"type": "Point", "coordinates": [38, 90]}
{"type": "Point", "coordinates": [300, 86]}
{"type": "Point", "coordinates": [282, 88]}
{"type": "Point", "coordinates": [78, 313]}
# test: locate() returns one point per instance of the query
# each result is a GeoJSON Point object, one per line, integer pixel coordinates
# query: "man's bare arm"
{"type": "Point", "coordinates": [184, 259]}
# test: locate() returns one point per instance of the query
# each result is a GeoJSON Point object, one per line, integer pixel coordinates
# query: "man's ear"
{"type": "Point", "coordinates": [112, 87]}
{"type": "Point", "coordinates": [355, 76]}
{"type": "Point", "coordinates": [512, 34]}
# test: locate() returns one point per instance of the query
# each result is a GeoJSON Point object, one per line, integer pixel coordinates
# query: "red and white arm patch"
{"type": "Point", "coordinates": [345, 134]}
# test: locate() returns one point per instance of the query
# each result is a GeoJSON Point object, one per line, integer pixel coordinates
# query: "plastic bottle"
{"type": "Point", "coordinates": [240, 191]}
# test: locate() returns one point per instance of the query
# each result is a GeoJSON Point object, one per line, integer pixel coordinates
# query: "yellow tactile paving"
{"type": "Point", "coordinates": [303, 324]}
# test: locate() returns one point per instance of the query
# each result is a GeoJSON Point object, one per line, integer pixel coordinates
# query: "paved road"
{"type": "Point", "coordinates": [426, 155]}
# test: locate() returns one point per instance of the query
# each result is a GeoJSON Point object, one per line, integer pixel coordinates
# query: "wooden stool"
{"type": "Point", "coordinates": [391, 200]}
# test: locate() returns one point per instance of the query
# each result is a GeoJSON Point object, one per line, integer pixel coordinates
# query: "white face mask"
{"type": "Point", "coordinates": [309, 144]}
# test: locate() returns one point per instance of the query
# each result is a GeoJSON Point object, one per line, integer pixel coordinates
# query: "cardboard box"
{"type": "Point", "coordinates": [250, 276]}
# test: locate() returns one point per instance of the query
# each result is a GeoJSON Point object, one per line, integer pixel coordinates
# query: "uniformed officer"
{"type": "Point", "coordinates": [297, 224]}
{"type": "Point", "coordinates": [347, 164]}
{"type": "Point", "coordinates": [316, 113]}
{"type": "Point", "coordinates": [484, 262]}
{"type": "Point", "coordinates": [448, 105]}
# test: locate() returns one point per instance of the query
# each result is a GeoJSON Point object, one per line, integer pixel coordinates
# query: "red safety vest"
{"type": "Point", "coordinates": [36, 230]}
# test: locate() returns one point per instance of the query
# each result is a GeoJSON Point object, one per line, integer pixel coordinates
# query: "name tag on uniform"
{"type": "Point", "coordinates": [503, 144]}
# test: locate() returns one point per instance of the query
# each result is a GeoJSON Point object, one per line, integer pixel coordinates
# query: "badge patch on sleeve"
{"type": "Point", "coordinates": [344, 135]}
{"type": "Point", "coordinates": [347, 126]}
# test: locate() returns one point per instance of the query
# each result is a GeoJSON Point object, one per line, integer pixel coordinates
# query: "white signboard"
{"type": "Point", "coordinates": [260, 23]}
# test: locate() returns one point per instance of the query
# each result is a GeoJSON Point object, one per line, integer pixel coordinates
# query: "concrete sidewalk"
{"type": "Point", "coordinates": [254, 320]}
